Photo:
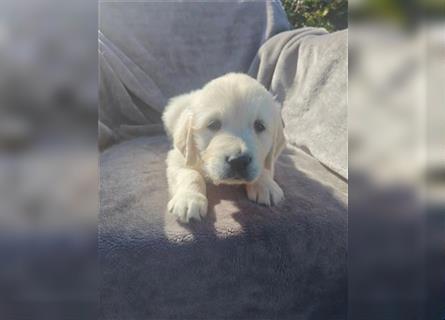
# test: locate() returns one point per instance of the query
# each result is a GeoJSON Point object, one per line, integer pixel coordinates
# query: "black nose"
{"type": "Point", "coordinates": [239, 163]}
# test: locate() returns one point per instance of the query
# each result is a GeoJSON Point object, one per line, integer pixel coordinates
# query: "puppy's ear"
{"type": "Point", "coordinates": [178, 122]}
{"type": "Point", "coordinates": [278, 143]}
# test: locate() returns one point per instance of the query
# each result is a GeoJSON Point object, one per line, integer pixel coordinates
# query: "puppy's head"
{"type": "Point", "coordinates": [230, 130]}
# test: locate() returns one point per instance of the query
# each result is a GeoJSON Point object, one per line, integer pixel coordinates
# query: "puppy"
{"type": "Point", "coordinates": [228, 132]}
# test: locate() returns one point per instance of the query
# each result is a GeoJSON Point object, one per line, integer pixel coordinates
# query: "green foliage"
{"type": "Point", "coordinates": [329, 14]}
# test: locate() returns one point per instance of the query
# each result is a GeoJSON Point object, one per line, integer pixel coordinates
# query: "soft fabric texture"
{"type": "Point", "coordinates": [306, 69]}
{"type": "Point", "coordinates": [244, 261]}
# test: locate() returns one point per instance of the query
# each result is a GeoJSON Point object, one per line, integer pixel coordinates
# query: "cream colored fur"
{"type": "Point", "coordinates": [199, 153]}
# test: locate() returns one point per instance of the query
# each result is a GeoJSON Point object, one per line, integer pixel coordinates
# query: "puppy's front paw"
{"type": "Point", "coordinates": [265, 191]}
{"type": "Point", "coordinates": [188, 205]}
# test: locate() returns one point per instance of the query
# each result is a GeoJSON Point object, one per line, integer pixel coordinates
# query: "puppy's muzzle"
{"type": "Point", "coordinates": [239, 166]}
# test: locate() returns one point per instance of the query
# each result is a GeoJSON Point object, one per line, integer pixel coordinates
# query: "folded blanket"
{"type": "Point", "coordinates": [306, 69]}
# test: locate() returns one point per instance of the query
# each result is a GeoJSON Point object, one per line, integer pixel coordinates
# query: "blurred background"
{"type": "Point", "coordinates": [48, 158]}
{"type": "Point", "coordinates": [396, 159]}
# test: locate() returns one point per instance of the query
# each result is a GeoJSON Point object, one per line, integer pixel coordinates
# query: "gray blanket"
{"type": "Point", "coordinates": [307, 71]}
{"type": "Point", "coordinates": [245, 261]}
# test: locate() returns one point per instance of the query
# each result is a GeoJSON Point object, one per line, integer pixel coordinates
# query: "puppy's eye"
{"type": "Point", "coordinates": [259, 126]}
{"type": "Point", "coordinates": [214, 125]}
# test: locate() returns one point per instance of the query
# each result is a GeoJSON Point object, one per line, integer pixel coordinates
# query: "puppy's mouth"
{"type": "Point", "coordinates": [238, 177]}
{"type": "Point", "coordinates": [219, 172]}
{"type": "Point", "coordinates": [241, 176]}
{"type": "Point", "coordinates": [232, 177]}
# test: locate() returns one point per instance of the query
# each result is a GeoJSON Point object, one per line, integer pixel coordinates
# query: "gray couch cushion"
{"type": "Point", "coordinates": [243, 262]}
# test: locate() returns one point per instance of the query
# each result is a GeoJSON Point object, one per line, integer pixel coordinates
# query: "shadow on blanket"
{"type": "Point", "coordinates": [243, 262]}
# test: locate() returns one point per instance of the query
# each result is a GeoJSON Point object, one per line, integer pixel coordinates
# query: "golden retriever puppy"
{"type": "Point", "coordinates": [228, 132]}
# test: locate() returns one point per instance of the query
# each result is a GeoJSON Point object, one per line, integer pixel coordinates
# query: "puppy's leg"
{"type": "Point", "coordinates": [187, 190]}
{"type": "Point", "coordinates": [265, 190]}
